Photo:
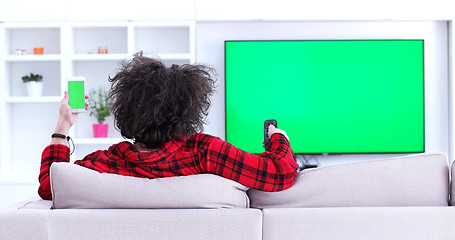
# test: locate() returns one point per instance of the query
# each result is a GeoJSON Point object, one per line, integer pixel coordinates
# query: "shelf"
{"type": "Point", "coordinates": [66, 47]}
{"type": "Point", "coordinates": [113, 38]}
{"type": "Point", "coordinates": [162, 39]}
{"type": "Point", "coordinates": [98, 57]}
{"type": "Point", "coordinates": [43, 57]}
{"type": "Point", "coordinates": [27, 38]}
{"type": "Point", "coordinates": [177, 56]}
{"type": "Point", "coordinates": [44, 99]}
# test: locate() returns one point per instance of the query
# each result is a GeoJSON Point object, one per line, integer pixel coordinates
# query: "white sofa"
{"type": "Point", "coordinates": [397, 198]}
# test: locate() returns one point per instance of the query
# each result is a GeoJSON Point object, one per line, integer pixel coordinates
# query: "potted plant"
{"type": "Point", "coordinates": [99, 108]}
{"type": "Point", "coordinates": [33, 84]}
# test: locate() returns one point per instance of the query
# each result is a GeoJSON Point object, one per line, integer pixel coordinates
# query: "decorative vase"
{"type": "Point", "coordinates": [100, 130]}
{"type": "Point", "coordinates": [38, 50]}
{"type": "Point", "coordinates": [34, 89]}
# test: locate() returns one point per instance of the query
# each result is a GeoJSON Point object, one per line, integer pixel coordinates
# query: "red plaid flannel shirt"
{"type": "Point", "coordinates": [274, 170]}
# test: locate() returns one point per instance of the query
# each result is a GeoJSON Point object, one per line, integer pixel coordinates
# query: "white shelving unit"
{"type": "Point", "coordinates": [70, 49]}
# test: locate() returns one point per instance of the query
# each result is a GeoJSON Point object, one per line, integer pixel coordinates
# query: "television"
{"type": "Point", "coordinates": [330, 96]}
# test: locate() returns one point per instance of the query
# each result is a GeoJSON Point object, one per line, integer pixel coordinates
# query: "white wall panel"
{"type": "Point", "coordinates": [322, 9]}
{"type": "Point", "coordinates": [210, 50]}
{"type": "Point", "coordinates": [130, 10]}
{"type": "Point", "coordinates": [32, 10]}
{"type": "Point", "coordinates": [14, 193]}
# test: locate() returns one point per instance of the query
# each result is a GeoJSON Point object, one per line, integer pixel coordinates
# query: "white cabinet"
{"type": "Point", "coordinates": [99, 10]}
{"type": "Point", "coordinates": [70, 49]}
{"type": "Point", "coordinates": [29, 10]}
{"type": "Point", "coordinates": [150, 10]}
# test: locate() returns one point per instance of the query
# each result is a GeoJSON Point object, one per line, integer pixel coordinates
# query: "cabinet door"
{"type": "Point", "coordinates": [26, 10]}
{"type": "Point", "coordinates": [132, 10]}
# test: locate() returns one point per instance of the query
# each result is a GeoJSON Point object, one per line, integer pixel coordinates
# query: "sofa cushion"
{"type": "Point", "coordinates": [75, 186]}
{"type": "Point", "coordinates": [18, 223]}
{"type": "Point", "coordinates": [162, 224]}
{"type": "Point", "coordinates": [359, 223]}
{"type": "Point", "coordinates": [413, 180]}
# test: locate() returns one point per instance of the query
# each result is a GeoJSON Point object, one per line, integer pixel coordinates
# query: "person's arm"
{"type": "Point", "coordinates": [274, 170]}
{"type": "Point", "coordinates": [52, 153]}
{"type": "Point", "coordinates": [58, 150]}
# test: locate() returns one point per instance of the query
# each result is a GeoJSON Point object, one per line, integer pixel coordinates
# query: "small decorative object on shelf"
{"type": "Point", "coordinates": [102, 50]}
{"type": "Point", "coordinates": [99, 108]}
{"type": "Point", "coordinates": [21, 51]}
{"type": "Point", "coordinates": [38, 50]}
{"type": "Point", "coordinates": [33, 84]}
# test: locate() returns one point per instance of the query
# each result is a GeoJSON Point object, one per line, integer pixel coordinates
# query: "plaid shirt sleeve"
{"type": "Point", "coordinates": [52, 153]}
{"type": "Point", "coordinates": [274, 170]}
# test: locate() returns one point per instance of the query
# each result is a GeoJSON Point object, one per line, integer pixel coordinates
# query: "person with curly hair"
{"type": "Point", "coordinates": [162, 110]}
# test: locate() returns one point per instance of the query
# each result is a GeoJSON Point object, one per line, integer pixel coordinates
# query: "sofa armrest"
{"type": "Point", "coordinates": [25, 220]}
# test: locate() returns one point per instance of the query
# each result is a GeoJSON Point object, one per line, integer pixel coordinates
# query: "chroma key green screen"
{"type": "Point", "coordinates": [330, 96]}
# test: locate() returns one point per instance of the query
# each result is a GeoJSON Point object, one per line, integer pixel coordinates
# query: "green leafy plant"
{"type": "Point", "coordinates": [32, 78]}
{"type": "Point", "coordinates": [98, 105]}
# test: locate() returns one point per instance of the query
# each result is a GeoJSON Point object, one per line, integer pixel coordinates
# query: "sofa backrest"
{"type": "Point", "coordinates": [75, 186]}
{"type": "Point", "coordinates": [413, 180]}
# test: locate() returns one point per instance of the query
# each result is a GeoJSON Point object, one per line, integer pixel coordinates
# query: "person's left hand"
{"type": "Point", "coordinates": [67, 118]}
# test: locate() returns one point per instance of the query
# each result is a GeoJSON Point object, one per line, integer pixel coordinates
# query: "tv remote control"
{"type": "Point", "coordinates": [266, 132]}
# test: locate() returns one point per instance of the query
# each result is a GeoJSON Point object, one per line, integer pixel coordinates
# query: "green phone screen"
{"type": "Point", "coordinates": [77, 94]}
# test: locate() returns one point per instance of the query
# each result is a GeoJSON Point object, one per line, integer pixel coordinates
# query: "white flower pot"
{"type": "Point", "coordinates": [34, 89]}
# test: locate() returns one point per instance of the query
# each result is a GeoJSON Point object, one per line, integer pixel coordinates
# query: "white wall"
{"type": "Point", "coordinates": [323, 9]}
{"type": "Point", "coordinates": [98, 10]}
{"type": "Point", "coordinates": [202, 10]}
{"type": "Point", "coordinates": [210, 38]}
{"type": "Point", "coordinates": [14, 193]}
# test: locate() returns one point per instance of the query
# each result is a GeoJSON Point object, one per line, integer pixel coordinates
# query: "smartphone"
{"type": "Point", "coordinates": [76, 90]}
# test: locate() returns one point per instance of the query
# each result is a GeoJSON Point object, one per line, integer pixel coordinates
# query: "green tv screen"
{"type": "Point", "coordinates": [330, 96]}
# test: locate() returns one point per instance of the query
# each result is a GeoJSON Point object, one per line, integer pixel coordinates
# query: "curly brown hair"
{"type": "Point", "coordinates": [152, 103]}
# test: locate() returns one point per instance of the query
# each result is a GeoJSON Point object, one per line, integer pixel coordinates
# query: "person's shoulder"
{"type": "Point", "coordinates": [202, 137]}
{"type": "Point", "coordinates": [204, 140]}
{"type": "Point", "coordinates": [119, 147]}
{"type": "Point", "coordinates": [121, 144]}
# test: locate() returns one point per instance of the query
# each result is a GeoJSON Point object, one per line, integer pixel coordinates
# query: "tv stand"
{"type": "Point", "coordinates": [304, 163]}
{"type": "Point", "coordinates": [306, 166]}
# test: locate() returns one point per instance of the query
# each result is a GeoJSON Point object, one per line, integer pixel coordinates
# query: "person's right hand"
{"type": "Point", "coordinates": [273, 129]}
